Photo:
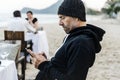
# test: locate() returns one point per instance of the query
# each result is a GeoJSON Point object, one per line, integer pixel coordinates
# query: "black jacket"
{"type": "Point", "coordinates": [76, 55]}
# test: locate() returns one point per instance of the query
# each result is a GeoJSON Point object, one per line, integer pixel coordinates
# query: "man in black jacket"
{"type": "Point", "coordinates": [77, 53]}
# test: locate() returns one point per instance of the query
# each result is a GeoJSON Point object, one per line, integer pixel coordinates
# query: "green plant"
{"type": "Point", "coordinates": [112, 7]}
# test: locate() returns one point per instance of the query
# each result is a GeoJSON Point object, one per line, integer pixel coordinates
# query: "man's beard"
{"type": "Point", "coordinates": [67, 30]}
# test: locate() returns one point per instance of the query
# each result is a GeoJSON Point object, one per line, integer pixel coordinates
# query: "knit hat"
{"type": "Point", "coordinates": [73, 8]}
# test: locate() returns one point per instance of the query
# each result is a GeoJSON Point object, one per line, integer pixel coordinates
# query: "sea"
{"type": "Point", "coordinates": [42, 18]}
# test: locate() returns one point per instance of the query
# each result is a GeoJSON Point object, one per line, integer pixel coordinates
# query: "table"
{"type": "Point", "coordinates": [8, 70]}
{"type": "Point", "coordinates": [12, 49]}
{"type": "Point", "coordinates": [40, 43]}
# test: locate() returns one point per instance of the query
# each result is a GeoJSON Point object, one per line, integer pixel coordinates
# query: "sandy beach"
{"type": "Point", "coordinates": [107, 63]}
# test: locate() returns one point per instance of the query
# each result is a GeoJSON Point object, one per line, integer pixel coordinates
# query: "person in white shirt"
{"type": "Point", "coordinates": [39, 40]}
{"type": "Point", "coordinates": [19, 24]}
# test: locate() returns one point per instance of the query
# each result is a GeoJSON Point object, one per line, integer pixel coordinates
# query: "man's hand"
{"type": "Point", "coordinates": [37, 58]}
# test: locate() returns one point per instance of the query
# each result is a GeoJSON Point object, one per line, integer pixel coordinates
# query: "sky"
{"type": "Point", "coordinates": [7, 6]}
{"type": "Point", "coordinates": [95, 4]}
{"type": "Point", "coordinates": [11, 5]}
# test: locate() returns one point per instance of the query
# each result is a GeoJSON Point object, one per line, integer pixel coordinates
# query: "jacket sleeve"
{"type": "Point", "coordinates": [77, 65]}
{"type": "Point", "coordinates": [49, 72]}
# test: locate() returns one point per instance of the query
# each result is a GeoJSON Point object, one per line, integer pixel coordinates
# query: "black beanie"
{"type": "Point", "coordinates": [73, 8]}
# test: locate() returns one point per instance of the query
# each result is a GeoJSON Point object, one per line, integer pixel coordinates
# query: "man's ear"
{"type": "Point", "coordinates": [78, 19]}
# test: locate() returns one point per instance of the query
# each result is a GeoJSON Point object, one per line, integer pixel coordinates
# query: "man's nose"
{"type": "Point", "coordinates": [60, 23]}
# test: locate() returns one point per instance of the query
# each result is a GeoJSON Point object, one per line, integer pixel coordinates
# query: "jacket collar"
{"type": "Point", "coordinates": [77, 29]}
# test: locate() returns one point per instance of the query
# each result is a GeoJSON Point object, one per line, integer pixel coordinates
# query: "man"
{"type": "Point", "coordinates": [77, 53]}
{"type": "Point", "coordinates": [19, 24]}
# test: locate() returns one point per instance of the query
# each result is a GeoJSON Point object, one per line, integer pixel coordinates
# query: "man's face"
{"type": "Point", "coordinates": [29, 15]}
{"type": "Point", "coordinates": [67, 23]}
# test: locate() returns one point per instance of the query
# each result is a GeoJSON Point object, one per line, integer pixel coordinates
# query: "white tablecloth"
{"type": "Point", "coordinates": [40, 43]}
{"type": "Point", "coordinates": [10, 48]}
{"type": "Point", "coordinates": [8, 70]}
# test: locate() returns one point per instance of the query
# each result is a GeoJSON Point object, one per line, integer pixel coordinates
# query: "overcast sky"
{"type": "Point", "coordinates": [7, 6]}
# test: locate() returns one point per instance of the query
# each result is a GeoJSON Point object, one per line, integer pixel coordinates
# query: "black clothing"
{"type": "Point", "coordinates": [34, 20]}
{"type": "Point", "coordinates": [77, 54]}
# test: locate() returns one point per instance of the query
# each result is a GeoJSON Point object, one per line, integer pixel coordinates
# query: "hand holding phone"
{"type": "Point", "coordinates": [37, 58]}
{"type": "Point", "coordinates": [32, 53]}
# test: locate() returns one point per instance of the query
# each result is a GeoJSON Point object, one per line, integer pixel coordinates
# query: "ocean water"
{"type": "Point", "coordinates": [42, 18]}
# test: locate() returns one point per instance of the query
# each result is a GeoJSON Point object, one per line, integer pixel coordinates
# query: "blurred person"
{"type": "Point", "coordinates": [32, 20]}
{"type": "Point", "coordinates": [19, 24]}
{"type": "Point", "coordinates": [78, 50]}
{"type": "Point", "coordinates": [40, 40]}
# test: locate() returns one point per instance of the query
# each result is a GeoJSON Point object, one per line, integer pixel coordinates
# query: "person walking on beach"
{"type": "Point", "coordinates": [78, 50]}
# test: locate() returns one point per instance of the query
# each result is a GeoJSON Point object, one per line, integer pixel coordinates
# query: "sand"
{"type": "Point", "coordinates": [107, 63]}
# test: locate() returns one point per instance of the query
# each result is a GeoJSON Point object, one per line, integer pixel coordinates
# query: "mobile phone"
{"type": "Point", "coordinates": [29, 53]}
{"type": "Point", "coordinates": [44, 55]}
